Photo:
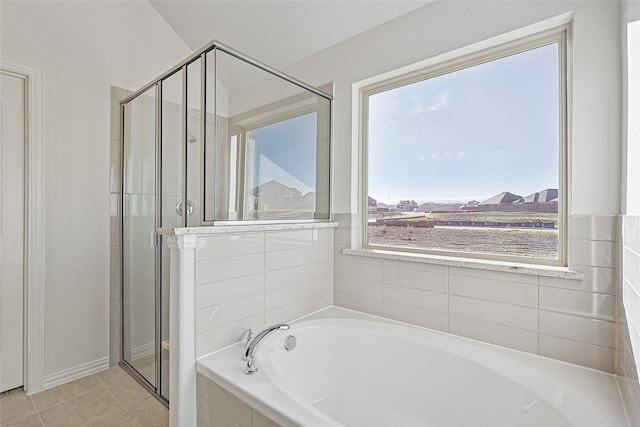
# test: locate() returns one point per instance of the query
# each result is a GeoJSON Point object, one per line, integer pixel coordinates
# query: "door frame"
{"type": "Point", "coordinates": [34, 260]}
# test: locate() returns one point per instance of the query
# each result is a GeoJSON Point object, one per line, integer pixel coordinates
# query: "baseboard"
{"type": "Point", "coordinates": [143, 350]}
{"type": "Point", "coordinates": [77, 372]}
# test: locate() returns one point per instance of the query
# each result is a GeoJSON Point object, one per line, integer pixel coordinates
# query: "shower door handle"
{"type": "Point", "coordinates": [189, 207]}
{"type": "Point", "coordinates": [153, 239]}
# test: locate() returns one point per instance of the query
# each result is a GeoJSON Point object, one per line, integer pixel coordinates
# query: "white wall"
{"type": "Point", "coordinates": [83, 48]}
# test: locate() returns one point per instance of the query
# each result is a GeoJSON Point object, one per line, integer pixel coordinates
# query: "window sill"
{"type": "Point", "coordinates": [510, 267]}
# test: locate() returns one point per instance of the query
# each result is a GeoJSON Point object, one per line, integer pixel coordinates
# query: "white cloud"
{"type": "Point", "coordinates": [441, 100]}
{"type": "Point", "coordinates": [433, 103]}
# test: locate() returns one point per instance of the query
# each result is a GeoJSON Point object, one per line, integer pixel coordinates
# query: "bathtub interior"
{"type": "Point", "coordinates": [361, 370]}
{"type": "Point", "coordinates": [337, 370]}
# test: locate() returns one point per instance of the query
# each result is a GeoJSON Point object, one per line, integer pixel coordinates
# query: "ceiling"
{"type": "Point", "coordinates": [278, 33]}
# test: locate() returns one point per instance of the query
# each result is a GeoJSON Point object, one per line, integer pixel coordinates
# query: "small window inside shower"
{"type": "Point", "coordinates": [268, 158]}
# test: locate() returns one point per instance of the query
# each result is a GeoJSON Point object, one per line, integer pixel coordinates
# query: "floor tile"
{"type": "Point", "coordinates": [110, 398]}
{"type": "Point", "coordinates": [112, 375]}
{"type": "Point", "coordinates": [61, 415]}
{"type": "Point", "coordinates": [149, 412]}
{"type": "Point", "coordinates": [79, 410]}
{"type": "Point", "coordinates": [128, 391]}
{"type": "Point", "coordinates": [15, 405]}
{"type": "Point", "coordinates": [65, 392]}
{"type": "Point", "coordinates": [114, 418]}
{"type": "Point", "coordinates": [30, 421]}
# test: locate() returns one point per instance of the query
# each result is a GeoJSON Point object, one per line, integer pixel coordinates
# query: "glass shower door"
{"type": "Point", "coordinates": [139, 241]}
{"type": "Point", "coordinates": [172, 202]}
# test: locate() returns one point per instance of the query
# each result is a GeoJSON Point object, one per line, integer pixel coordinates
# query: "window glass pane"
{"type": "Point", "coordinates": [468, 161]}
{"type": "Point", "coordinates": [281, 176]}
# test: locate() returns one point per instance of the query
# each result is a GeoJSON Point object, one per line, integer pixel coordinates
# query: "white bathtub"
{"type": "Point", "coordinates": [359, 370]}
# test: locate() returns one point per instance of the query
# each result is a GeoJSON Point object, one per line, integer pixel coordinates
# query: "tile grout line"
{"type": "Point", "coordinates": [116, 399]}
{"type": "Point", "coordinates": [64, 400]}
{"type": "Point", "coordinates": [37, 411]}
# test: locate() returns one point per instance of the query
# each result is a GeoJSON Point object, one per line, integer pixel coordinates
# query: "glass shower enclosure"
{"type": "Point", "coordinates": [220, 139]}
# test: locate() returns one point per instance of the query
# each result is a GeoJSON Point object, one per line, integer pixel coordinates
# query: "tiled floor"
{"type": "Point", "coordinates": [110, 398]}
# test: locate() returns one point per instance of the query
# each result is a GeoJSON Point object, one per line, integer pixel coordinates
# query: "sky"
{"type": "Point", "coordinates": [470, 134]}
{"type": "Point", "coordinates": [286, 152]}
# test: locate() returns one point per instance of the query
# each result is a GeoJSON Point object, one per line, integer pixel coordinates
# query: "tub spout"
{"type": "Point", "coordinates": [252, 343]}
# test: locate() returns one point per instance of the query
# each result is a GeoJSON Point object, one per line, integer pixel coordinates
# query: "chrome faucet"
{"type": "Point", "coordinates": [252, 342]}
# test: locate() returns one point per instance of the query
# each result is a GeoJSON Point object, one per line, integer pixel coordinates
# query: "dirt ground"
{"type": "Point", "coordinates": [538, 244]}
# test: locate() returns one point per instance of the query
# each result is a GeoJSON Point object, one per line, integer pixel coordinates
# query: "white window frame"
{"type": "Point", "coordinates": [554, 31]}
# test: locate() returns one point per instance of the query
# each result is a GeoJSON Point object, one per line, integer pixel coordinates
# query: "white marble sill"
{"type": "Point", "coordinates": [244, 228]}
{"type": "Point", "coordinates": [482, 264]}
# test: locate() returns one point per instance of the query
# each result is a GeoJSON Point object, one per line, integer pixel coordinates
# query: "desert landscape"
{"type": "Point", "coordinates": [530, 241]}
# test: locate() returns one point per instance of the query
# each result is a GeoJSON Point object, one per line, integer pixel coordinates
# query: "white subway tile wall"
{"type": "Point", "coordinates": [249, 280]}
{"type": "Point", "coordinates": [628, 316]}
{"type": "Point", "coordinates": [566, 319]}
{"type": "Point", "coordinates": [505, 336]}
{"type": "Point", "coordinates": [417, 316]}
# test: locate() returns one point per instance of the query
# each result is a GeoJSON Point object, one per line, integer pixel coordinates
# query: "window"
{"type": "Point", "coordinates": [280, 169]}
{"type": "Point", "coordinates": [467, 157]}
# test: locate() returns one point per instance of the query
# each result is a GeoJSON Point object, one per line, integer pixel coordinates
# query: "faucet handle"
{"type": "Point", "coordinates": [248, 335]}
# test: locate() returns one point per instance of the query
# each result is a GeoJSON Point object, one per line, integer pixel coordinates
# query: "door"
{"type": "Point", "coordinates": [12, 202]}
{"type": "Point", "coordinates": [138, 238]}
